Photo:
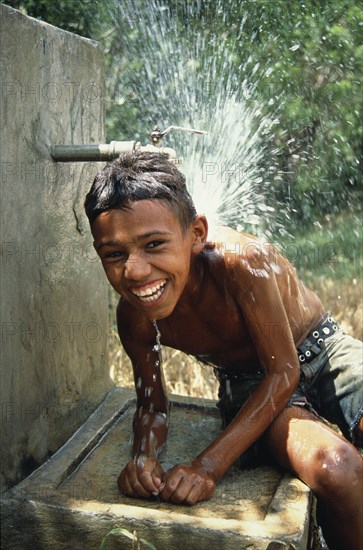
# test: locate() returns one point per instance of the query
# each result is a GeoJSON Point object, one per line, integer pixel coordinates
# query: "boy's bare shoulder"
{"type": "Point", "coordinates": [244, 253]}
{"type": "Point", "coordinates": [256, 273]}
{"type": "Point", "coordinates": [227, 235]}
{"type": "Point", "coordinates": [248, 266]}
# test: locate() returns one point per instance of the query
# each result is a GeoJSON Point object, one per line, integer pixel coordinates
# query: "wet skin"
{"type": "Point", "coordinates": [234, 301]}
{"type": "Point", "coordinates": [224, 302]}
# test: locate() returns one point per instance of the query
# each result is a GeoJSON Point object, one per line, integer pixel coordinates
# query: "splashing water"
{"type": "Point", "coordinates": [185, 79]}
{"type": "Point", "coordinates": [158, 347]}
{"type": "Point", "coordinates": [223, 171]}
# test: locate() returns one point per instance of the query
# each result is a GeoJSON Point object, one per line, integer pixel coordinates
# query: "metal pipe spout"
{"type": "Point", "coordinates": [109, 151]}
{"type": "Point", "coordinates": [104, 151]}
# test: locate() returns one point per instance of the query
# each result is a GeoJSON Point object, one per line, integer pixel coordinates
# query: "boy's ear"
{"type": "Point", "coordinates": [200, 233]}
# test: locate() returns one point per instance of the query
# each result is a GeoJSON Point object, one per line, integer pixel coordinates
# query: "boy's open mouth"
{"type": "Point", "coordinates": [150, 294]}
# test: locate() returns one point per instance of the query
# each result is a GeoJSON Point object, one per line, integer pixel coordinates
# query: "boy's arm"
{"type": "Point", "coordinates": [260, 301]}
{"type": "Point", "coordinates": [142, 476]}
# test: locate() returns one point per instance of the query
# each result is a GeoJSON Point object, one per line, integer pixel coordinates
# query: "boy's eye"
{"type": "Point", "coordinates": [115, 254]}
{"type": "Point", "coordinates": [154, 244]}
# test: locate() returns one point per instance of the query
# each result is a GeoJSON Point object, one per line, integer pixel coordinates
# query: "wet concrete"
{"type": "Point", "coordinates": [73, 501]}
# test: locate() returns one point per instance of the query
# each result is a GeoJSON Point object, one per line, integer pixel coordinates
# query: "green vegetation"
{"type": "Point", "coordinates": [84, 17]}
{"type": "Point", "coordinates": [136, 541]}
{"type": "Point", "coordinates": [331, 250]}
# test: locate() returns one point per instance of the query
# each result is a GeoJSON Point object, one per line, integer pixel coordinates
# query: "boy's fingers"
{"type": "Point", "coordinates": [148, 482]}
{"type": "Point", "coordinates": [157, 481]}
{"type": "Point", "coordinates": [131, 485]}
{"type": "Point", "coordinates": [150, 476]}
{"type": "Point", "coordinates": [181, 492]}
{"type": "Point", "coordinates": [126, 488]}
{"type": "Point", "coordinates": [195, 495]}
{"type": "Point", "coordinates": [141, 478]}
{"type": "Point", "coordinates": [124, 485]}
{"type": "Point", "coordinates": [139, 489]}
{"type": "Point", "coordinates": [171, 486]}
{"type": "Point", "coordinates": [133, 488]}
{"type": "Point", "coordinates": [159, 484]}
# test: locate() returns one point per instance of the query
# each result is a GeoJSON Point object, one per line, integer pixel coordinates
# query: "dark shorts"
{"type": "Point", "coordinates": [331, 385]}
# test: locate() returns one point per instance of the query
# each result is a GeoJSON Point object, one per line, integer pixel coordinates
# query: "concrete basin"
{"type": "Point", "coordinates": [72, 501]}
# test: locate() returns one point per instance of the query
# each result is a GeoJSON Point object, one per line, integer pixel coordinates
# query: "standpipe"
{"type": "Point", "coordinates": [104, 151]}
{"type": "Point", "coordinates": [109, 151]}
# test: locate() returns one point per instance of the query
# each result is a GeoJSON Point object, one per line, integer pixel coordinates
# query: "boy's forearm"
{"type": "Point", "coordinates": [249, 424]}
{"type": "Point", "coordinates": [150, 432]}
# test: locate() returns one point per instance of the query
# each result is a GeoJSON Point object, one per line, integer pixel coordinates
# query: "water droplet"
{"type": "Point", "coordinates": [276, 268]}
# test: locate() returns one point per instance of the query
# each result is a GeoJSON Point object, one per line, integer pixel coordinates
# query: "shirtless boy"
{"type": "Point", "coordinates": [246, 313]}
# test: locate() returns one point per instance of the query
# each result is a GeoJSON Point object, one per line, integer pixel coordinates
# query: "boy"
{"type": "Point", "coordinates": [245, 313]}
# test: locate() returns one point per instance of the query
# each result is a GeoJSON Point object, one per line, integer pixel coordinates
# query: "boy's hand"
{"type": "Point", "coordinates": [141, 477]}
{"type": "Point", "coordinates": [187, 484]}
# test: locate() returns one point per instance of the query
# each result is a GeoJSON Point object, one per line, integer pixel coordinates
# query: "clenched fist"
{"type": "Point", "coordinates": [187, 484]}
{"type": "Point", "coordinates": [141, 477]}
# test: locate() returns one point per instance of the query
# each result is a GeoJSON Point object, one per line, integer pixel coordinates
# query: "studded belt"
{"type": "Point", "coordinates": [313, 343]}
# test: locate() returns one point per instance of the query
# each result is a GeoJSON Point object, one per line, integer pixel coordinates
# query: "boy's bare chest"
{"type": "Point", "coordinates": [213, 328]}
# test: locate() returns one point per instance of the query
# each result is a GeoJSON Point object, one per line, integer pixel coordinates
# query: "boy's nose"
{"type": "Point", "coordinates": [136, 268]}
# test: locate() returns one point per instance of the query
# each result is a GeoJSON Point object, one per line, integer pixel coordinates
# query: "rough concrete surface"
{"type": "Point", "coordinates": [53, 295]}
{"type": "Point", "coordinates": [73, 500]}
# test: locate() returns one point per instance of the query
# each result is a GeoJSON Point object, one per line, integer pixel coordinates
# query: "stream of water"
{"type": "Point", "coordinates": [186, 79]}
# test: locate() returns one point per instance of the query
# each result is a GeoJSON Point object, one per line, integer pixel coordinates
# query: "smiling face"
{"type": "Point", "coordinates": [146, 255]}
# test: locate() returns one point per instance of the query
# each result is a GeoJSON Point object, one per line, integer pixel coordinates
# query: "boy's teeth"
{"type": "Point", "coordinates": [150, 294]}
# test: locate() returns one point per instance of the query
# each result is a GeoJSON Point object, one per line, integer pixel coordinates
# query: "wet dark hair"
{"type": "Point", "coordinates": [137, 176]}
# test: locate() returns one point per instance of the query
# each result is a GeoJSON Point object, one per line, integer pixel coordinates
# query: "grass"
{"type": "Point", "coordinates": [332, 249]}
{"type": "Point", "coordinates": [133, 537]}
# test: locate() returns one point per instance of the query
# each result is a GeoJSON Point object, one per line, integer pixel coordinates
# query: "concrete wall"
{"type": "Point", "coordinates": [54, 368]}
